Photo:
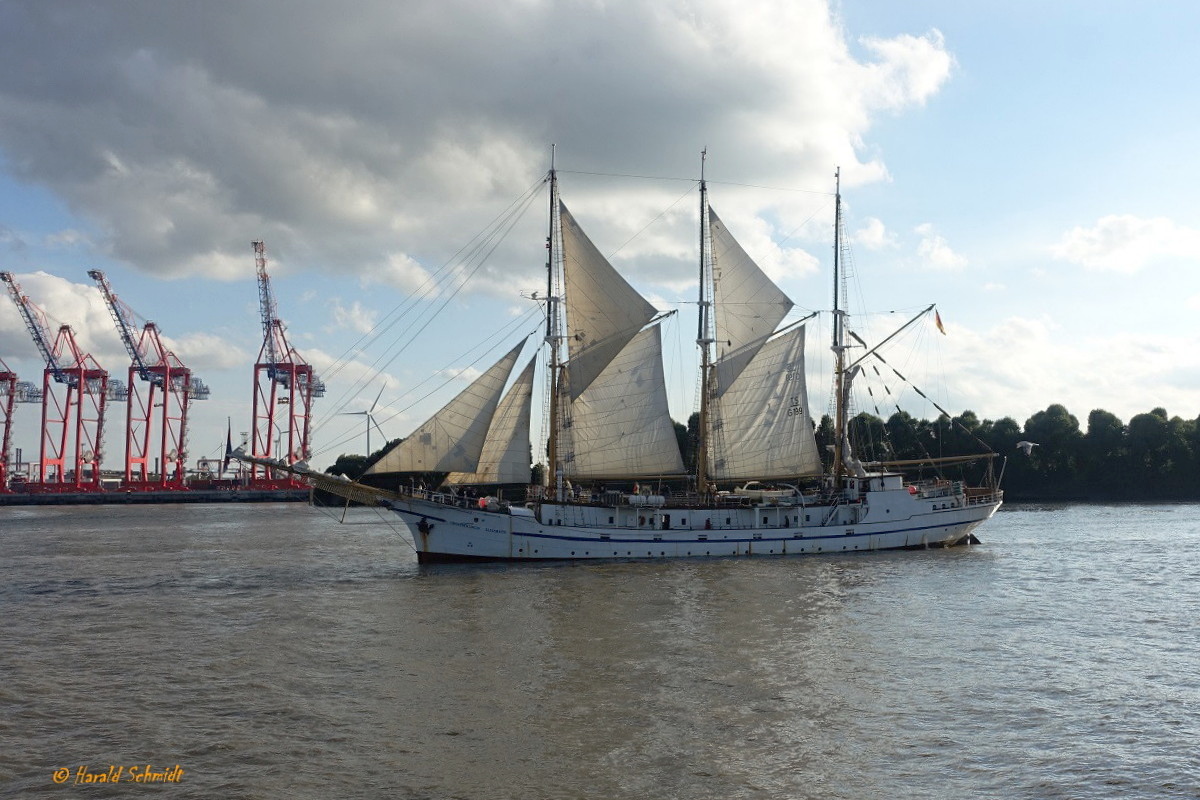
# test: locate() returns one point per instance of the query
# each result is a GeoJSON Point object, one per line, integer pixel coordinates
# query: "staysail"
{"type": "Point", "coordinates": [452, 439]}
{"type": "Point", "coordinates": [603, 311]}
{"type": "Point", "coordinates": [758, 420]}
{"type": "Point", "coordinates": [505, 455]}
{"type": "Point", "coordinates": [761, 426]}
{"type": "Point", "coordinates": [748, 306]}
{"type": "Point", "coordinates": [620, 425]}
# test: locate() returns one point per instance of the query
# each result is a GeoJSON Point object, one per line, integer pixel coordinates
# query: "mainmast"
{"type": "Point", "coordinates": [704, 336]}
{"type": "Point", "coordinates": [553, 330]}
{"type": "Point", "coordinates": [839, 346]}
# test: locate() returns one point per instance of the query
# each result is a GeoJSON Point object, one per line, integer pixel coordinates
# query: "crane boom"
{"type": "Point", "coordinates": [266, 303]}
{"type": "Point", "coordinates": [125, 327]}
{"type": "Point", "coordinates": [72, 417]}
{"type": "Point", "coordinates": [35, 322]}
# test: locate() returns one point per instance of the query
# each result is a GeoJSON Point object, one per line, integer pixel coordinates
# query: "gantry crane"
{"type": "Point", "coordinates": [12, 391]}
{"type": "Point", "coordinates": [162, 403]}
{"type": "Point", "coordinates": [72, 415]}
{"type": "Point", "coordinates": [284, 387]}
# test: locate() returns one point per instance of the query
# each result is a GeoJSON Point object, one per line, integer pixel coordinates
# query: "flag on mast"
{"type": "Point", "coordinates": [937, 320]}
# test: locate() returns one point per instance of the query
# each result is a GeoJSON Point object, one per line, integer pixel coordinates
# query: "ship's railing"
{"type": "Point", "coordinates": [455, 499]}
{"type": "Point", "coordinates": [984, 496]}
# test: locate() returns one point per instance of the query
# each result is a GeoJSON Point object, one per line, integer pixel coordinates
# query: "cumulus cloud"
{"type": "Point", "coordinates": [1126, 244]}
{"type": "Point", "coordinates": [1030, 376]}
{"type": "Point", "coordinates": [356, 318]}
{"type": "Point", "coordinates": [206, 351]}
{"type": "Point", "coordinates": [935, 252]}
{"type": "Point", "coordinates": [369, 143]}
{"type": "Point", "coordinates": [874, 235]}
{"type": "Point", "coordinates": [57, 302]}
{"type": "Point", "coordinates": [11, 240]}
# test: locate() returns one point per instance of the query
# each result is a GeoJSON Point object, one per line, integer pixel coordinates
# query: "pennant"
{"type": "Point", "coordinates": [937, 320]}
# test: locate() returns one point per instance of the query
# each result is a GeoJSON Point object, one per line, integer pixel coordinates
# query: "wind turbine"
{"type": "Point", "coordinates": [370, 418]}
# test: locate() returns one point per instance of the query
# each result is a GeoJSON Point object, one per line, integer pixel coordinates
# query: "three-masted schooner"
{"type": "Point", "coordinates": [611, 438]}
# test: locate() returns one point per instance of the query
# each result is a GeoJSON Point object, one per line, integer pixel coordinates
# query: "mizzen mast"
{"type": "Point", "coordinates": [704, 334]}
{"type": "Point", "coordinates": [839, 346]}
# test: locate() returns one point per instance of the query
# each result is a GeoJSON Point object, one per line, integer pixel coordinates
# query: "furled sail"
{"type": "Point", "coordinates": [603, 311]}
{"type": "Point", "coordinates": [506, 454]}
{"type": "Point", "coordinates": [620, 425]}
{"type": "Point", "coordinates": [452, 439]}
{"type": "Point", "coordinates": [748, 305]}
{"type": "Point", "coordinates": [761, 426]}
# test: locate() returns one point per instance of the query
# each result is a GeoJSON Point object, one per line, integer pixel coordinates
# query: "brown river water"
{"type": "Point", "coordinates": [266, 651]}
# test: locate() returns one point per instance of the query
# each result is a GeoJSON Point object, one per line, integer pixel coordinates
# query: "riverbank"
{"type": "Point", "coordinates": [148, 498]}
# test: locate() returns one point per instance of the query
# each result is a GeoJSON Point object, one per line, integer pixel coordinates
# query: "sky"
{"type": "Point", "coordinates": [1025, 166]}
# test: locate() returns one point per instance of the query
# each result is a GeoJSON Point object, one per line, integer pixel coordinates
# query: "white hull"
{"type": "Point", "coordinates": [878, 519]}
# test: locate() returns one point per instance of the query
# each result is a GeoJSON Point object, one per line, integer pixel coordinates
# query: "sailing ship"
{"type": "Point", "coordinates": [617, 487]}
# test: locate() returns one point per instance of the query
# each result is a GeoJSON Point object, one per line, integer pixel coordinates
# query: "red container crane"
{"type": "Point", "coordinates": [74, 392]}
{"type": "Point", "coordinates": [284, 387]}
{"type": "Point", "coordinates": [160, 388]}
{"type": "Point", "coordinates": [12, 391]}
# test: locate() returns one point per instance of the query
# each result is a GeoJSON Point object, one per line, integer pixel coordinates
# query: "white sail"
{"type": "Point", "coordinates": [620, 425]}
{"type": "Point", "coordinates": [452, 439]}
{"type": "Point", "coordinates": [748, 305]}
{"type": "Point", "coordinates": [603, 311]}
{"type": "Point", "coordinates": [506, 454]}
{"type": "Point", "coordinates": [761, 426]}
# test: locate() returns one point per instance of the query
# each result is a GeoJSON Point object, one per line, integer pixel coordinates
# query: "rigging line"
{"type": "Point", "coordinates": [935, 404]}
{"type": "Point", "coordinates": [433, 314]}
{"type": "Point", "coordinates": [694, 180]}
{"type": "Point", "coordinates": [660, 215]}
{"type": "Point", "coordinates": [429, 314]}
{"type": "Point", "coordinates": [329, 416]}
{"type": "Point", "coordinates": [443, 277]}
{"type": "Point", "coordinates": [807, 220]}
{"type": "Point", "coordinates": [382, 518]}
{"type": "Point", "coordinates": [449, 379]}
{"type": "Point", "coordinates": [515, 208]}
{"type": "Point", "coordinates": [498, 336]}
{"type": "Point", "coordinates": [626, 175]}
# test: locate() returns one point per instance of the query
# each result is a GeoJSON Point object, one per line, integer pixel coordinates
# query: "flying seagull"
{"type": "Point", "coordinates": [1026, 446]}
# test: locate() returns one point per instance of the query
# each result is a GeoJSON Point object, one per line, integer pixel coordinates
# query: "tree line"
{"type": "Point", "coordinates": [1153, 457]}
